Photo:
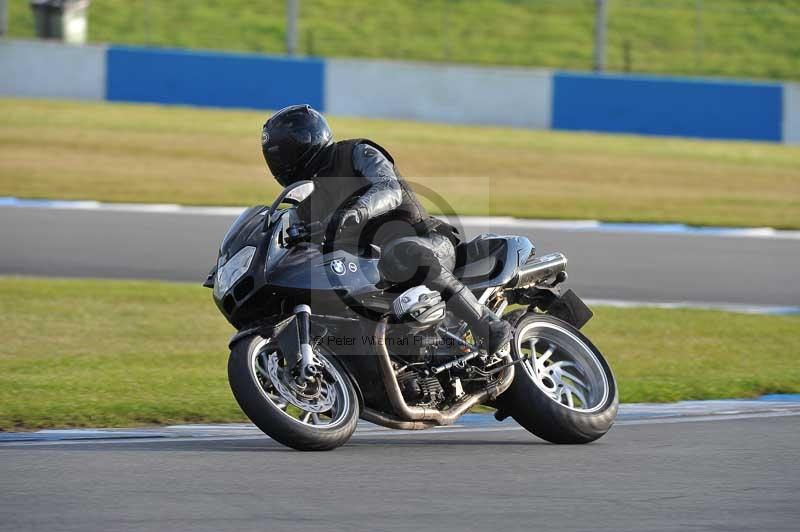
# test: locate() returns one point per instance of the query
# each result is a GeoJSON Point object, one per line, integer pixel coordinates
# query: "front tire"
{"type": "Point", "coordinates": [318, 421]}
{"type": "Point", "coordinates": [563, 390]}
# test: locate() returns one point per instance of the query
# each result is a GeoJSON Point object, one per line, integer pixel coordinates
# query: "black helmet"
{"type": "Point", "coordinates": [292, 141]}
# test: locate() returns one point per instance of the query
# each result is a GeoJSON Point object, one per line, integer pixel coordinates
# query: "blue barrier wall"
{"type": "Point", "coordinates": [213, 79]}
{"type": "Point", "coordinates": [667, 106]}
{"type": "Point", "coordinates": [523, 97]}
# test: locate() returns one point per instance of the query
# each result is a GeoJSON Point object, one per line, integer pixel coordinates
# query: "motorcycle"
{"type": "Point", "coordinates": [322, 341]}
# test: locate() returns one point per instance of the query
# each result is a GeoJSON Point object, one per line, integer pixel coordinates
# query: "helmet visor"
{"type": "Point", "coordinates": [282, 170]}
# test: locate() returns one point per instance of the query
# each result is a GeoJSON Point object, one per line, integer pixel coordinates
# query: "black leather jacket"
{"type": "Point", "coordinates": [384, 193]}
{"type": "Point", "coordinates": [359, 174]}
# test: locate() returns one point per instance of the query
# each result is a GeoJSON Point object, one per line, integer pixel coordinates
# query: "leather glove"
{"type": "Point", "coordinates": [347, 219]}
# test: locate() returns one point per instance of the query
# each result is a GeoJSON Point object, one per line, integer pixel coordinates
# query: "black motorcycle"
{"type": "Point", "coordinates": [322, 341]}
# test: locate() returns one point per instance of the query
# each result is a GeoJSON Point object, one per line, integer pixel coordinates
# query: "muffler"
{"type": "Point", "coordinates": [544, 270]}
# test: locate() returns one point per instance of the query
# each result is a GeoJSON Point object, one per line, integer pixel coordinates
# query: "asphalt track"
{"type": "Point", "coordinates": [733, 470]}
{"type": "Point", "coordinates": [609, 265]}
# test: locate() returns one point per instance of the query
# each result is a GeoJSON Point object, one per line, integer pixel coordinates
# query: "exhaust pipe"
{"type": "Point", "coordinates": [541, 270]}
{"type": "Point", "coordinates": [379, 418]}
{"type": "Point", "coordinates": [421, 413]}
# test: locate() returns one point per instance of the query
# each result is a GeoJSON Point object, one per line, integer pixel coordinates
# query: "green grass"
{"type": "Point", "coordinates": [142, 153]}
{"type": "Point", "coordinates": [116, 353]}
{"type": "Point", "coordinates": [742, 38]}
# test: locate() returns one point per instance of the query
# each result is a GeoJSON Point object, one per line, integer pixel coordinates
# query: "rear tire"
{"type": "Point", "coordinates": [261, 401]}
{"type": "Point", "coordinates": [531, 399]}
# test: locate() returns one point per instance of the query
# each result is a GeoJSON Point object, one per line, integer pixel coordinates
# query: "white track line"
{"type": "Point", "coordinates": [381, 432]}
{"type": "Point", "coordinates": [671, 305]}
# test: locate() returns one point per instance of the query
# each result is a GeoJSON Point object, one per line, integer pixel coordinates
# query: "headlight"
{"type": "Point", "coordinates": [230, 272]}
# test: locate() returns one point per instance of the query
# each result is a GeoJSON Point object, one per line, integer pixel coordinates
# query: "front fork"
{"type": "Point", "coordinates": [295, 343]}
{"type": "Point", "coordinates": [308, 364]}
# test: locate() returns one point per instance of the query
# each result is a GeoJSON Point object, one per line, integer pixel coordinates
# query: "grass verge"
{"type": "Point", "coordinates": [117, 353]}
{"type": "Point", "coordinates": [142, 153]}
{"type": "Point", "coordinates": [708, 37]}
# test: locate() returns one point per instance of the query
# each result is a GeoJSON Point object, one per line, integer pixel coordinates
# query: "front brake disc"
{"type": "Point", "coordinates": [322, 401]}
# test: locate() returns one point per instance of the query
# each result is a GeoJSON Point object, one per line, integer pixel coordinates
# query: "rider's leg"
{"type": "Point", "coordinates": [429, 260]}
{"type": "Point", "coordinates": [463, 303]}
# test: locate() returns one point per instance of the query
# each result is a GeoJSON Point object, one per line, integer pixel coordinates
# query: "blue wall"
{"type": "Point", "coordinates": [213, 79]}
{"type": "Point", "coordinates": [667, 106]}
{"type": "Point", "coordinates": [648, 105]}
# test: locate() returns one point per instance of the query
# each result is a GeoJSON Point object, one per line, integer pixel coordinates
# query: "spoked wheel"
{"type": "Point", "coordinates": [562, 366]}
{"type": "Point", "coordinates": [564, 390]}
{"type": "Point", "coordinates": [313, 416]}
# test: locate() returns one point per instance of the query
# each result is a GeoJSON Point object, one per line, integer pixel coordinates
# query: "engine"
{"type": "Point", "coordinates": [420, 390]}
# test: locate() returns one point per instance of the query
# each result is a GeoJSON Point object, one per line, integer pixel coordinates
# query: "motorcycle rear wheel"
{"type": "Point", "coordinates": [563, 390]}
{"type": "Point", "coordinates": [297, 418]}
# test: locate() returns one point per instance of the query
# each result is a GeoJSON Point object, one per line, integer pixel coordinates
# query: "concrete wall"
{"type": "Point", "coordinates": [521, 97]}
{"type": "Point", "coordinates": [791, 113]}
{"type": "Point", "coordinates": [439, 93]}
{"type": "Point", "coordinates": [37, 69]}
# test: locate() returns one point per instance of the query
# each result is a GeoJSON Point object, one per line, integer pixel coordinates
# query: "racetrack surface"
{"type": "Point", "coordinates": [723, 473]}
{"type": "Point", "coordinates": [622, 265]}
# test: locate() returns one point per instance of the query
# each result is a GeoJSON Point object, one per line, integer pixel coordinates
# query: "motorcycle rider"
{"type": "Point", "coordinates": [362, 199]}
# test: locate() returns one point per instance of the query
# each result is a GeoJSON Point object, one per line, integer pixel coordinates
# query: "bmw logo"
{"type": "Point", "coordinates": [264, 137]}
{"type": "Point", "coordinates": [337, 267]}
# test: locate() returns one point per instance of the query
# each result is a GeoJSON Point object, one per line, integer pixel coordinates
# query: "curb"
{"type": "Point", "coordinates": [778, 405]}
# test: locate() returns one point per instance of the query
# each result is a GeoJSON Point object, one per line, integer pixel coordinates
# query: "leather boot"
{"type": "Point", "coordinates": [494, 331]}
{"type": "Point", "coordinates": [407, 255]}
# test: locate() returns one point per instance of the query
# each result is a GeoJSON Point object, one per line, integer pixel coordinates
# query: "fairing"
{"type": "Point", "coordinates": [246, 230]}
{"type": "Point", "coordinates": [302, 272]}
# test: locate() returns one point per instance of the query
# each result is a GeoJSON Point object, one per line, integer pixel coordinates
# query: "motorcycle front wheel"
{"type": "Point", "coordinates": [318, 416]}
{"type": "Point", "coordinates": [563, 390]}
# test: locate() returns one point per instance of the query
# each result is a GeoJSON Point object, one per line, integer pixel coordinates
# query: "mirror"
{"type": "Point", "coordinates": [300, 192]}
{"type": "Point", "coordinates": [294, 193]}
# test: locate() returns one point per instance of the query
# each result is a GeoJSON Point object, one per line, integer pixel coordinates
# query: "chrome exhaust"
{"type": "Point", "coordinates": [379, 418]}
{"type": "Point", "coordinates": [421, 413]}
{"type": "Point", "coordinates": [541, 270]}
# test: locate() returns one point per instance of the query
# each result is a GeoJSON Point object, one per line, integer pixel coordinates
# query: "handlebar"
{"type": "Point", "coordinates": [300, 232]}
{"type": "Point", "coordinates": [317, 232]}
